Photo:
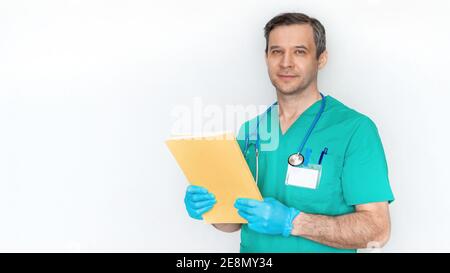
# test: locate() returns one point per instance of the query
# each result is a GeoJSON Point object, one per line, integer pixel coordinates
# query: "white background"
{"type": "Point", "coordinates": [87, 89]}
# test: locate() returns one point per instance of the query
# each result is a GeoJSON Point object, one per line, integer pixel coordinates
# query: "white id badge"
{"type": "Point", "coordinates": [306, 177]}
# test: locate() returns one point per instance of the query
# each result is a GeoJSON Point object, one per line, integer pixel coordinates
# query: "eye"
{"type": "Point", "coordinates": [276, 51]}
{"type": "Point", "coordinates": [300, 52]}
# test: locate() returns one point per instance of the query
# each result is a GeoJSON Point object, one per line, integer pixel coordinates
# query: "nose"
{"type": "Point", "coordinates": [286, 61]}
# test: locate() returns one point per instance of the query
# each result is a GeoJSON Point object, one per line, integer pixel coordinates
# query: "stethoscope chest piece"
{"type": "Point", "coordinates": [296, 159]}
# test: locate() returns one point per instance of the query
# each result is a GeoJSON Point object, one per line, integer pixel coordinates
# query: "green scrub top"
{"type": "Point", "coordinates": [354, 171]}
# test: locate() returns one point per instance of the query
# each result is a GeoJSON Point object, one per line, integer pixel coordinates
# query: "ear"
{"type": "Point", "coordinates": [323, 59]}
{"type": "Point", "coordinates": [265, 58]}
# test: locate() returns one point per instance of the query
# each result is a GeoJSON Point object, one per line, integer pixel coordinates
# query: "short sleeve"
{"type": "Point", "coordinates": [365, 172]}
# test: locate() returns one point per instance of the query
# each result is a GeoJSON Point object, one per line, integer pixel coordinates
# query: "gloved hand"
{"type": "Point", "coordinates": [269, 216]}
{"type": "Point", "coordinates": [198, 201]}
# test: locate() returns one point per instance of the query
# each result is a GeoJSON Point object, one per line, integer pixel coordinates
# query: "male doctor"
{"type": "Point", "coordinates": [325, 185]}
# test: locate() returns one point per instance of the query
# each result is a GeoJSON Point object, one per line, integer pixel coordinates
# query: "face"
{"type": "Point", "coordinates": [291, 58]}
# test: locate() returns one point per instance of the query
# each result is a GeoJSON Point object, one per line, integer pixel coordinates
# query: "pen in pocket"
{"type": "Point", "coordinates": [324, 152]}
{"type": "Point", "coordinates": [307, 157]}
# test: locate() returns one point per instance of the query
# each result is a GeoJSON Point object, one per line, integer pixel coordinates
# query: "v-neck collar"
{"type": "Point", "coordinates": [310, 111]}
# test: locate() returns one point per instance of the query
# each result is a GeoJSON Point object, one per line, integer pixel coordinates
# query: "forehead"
{"type": "Point", "coordinates": [292, 35]}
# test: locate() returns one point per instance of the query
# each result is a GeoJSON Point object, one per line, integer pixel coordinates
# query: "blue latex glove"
{"type": "Point", "coordinates": [198, 201]}
{"type": "Point", "coordinates": [269, 216]}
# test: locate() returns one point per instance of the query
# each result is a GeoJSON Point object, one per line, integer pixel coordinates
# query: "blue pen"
{"type": "Point", "coordinates": [324, 152]}
{"type": "Point", "coordinates": [307, 157]}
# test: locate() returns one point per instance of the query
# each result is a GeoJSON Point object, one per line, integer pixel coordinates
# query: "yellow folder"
{"type": "Point", "coordinates": [217, 164]}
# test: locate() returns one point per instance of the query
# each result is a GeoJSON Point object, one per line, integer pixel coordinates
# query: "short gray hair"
{"type": "Point", "coordinates": [286, 19]}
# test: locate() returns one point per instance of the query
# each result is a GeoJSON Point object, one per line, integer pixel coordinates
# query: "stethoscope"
{"type": "Point", "coordinates": [295, 159]}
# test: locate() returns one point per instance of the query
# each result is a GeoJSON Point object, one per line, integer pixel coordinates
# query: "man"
{"type": "Point", "coordinates": [344, 206]}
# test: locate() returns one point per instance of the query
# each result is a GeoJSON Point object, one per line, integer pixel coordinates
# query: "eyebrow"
{"type": "Point", "coordinates": [298, 47]}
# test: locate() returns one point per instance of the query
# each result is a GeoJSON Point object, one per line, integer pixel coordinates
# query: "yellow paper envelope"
{"type": "Point", "coordinates": [217, 164]}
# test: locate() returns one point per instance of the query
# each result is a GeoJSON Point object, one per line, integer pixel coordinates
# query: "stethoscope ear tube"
{"type": "Point", "coordinates": [257, 167]}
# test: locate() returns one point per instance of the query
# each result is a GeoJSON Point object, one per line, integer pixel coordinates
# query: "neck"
{"type": "Point", "coordinates": [292, 106]}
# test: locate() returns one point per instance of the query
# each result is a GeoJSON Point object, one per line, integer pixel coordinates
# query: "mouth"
{"type": "Point", "coordinates": [286, 77]}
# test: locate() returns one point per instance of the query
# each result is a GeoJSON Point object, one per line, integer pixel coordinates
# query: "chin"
{"type": "Point", "coordinates": [287, 87]}
{"type": "Point", "coordinates": [287, 90]}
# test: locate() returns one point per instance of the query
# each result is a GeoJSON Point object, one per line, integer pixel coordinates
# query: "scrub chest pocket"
{"type": "Point", "coordinates": [312, 195]}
